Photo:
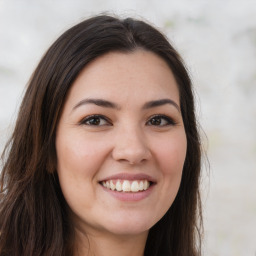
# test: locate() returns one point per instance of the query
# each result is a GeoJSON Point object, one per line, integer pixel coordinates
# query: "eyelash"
{"type": "Point", "coordinates": [95, 117]}
{"type": "Point", "coordinates": [169, 121]}
{"type": "Point", "coordinates": [92, 118]}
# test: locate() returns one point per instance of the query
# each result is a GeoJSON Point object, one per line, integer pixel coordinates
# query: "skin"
{"type": "Point", "coordinates": [127, 139]}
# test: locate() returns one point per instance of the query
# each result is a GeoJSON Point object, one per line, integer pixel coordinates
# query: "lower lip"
{"type": "Point", "coordinates": [130, 196]}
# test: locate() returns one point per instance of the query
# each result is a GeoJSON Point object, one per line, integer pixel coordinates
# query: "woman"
{"type": "Point", "coordinates": [105, 155]}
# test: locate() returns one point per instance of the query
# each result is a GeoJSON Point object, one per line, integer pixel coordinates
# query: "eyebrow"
{"type": "Point", "coordinates": [109, 104]}
{"type": "Point", "coordinates": [98, 102]}
{"type": "Point", "coordinates": [161, 102]}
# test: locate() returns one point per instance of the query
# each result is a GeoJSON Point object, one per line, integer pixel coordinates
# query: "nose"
{"type": "Point", "coordinates": [131, 147]}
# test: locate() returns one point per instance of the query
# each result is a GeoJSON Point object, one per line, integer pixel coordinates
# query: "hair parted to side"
{"type": "Point", "coordinates": [33, 213]}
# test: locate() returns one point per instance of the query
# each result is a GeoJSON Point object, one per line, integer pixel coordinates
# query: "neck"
{"type": "Point", "coordinates": [106, 244]}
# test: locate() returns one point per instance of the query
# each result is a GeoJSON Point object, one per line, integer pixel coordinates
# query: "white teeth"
{"type": "Point", "coordinates": [141, 187]}
{"type": "Point", "coordinates": [119, 186]}
{"type": "Point", "coordinates": [112, 185]}
{"type": "Point", "coordinates": [145, 185]}
{"type": "Point", "coordinates": [135, 186]}
{"type": "Point", "coordinates": [126, 185]}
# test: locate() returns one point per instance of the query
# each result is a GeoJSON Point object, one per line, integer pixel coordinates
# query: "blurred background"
{"type": "Point", "coordinates": [217, 40]}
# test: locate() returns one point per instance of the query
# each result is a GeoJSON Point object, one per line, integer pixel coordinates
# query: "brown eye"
{"type": "Point", "coordinates": [95, 120]}
{"type": "Point", "coordinates": [156, 121]}
{"type": "Point", "coordinates": [160, 120]}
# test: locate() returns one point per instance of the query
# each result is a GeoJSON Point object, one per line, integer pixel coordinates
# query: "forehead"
{"type": "Point", "coordinates": [139, 75]}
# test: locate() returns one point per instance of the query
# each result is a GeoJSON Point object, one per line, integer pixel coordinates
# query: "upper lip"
{"type": "Point", "coordinates": [129, 176]}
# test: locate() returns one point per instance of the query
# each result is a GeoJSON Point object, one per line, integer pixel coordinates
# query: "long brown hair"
{"type": "Point", "coordinates": [33, 213]}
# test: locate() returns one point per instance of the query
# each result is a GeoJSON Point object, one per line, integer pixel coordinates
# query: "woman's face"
{"type": "Point", "coordinates": [121, 144]}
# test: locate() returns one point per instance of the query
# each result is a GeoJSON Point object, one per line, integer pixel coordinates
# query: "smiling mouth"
{"type": "Point", "coordinates": [127, 185]}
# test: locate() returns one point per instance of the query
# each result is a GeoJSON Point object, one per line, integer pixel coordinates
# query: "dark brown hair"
{"type": "Point", "coordinates": [33, 213]}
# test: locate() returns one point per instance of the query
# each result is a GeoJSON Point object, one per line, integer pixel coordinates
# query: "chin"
{"type": "Point", "coordinates": [128, 231]}
{"type": "Point", "coordinates": [131, 226]}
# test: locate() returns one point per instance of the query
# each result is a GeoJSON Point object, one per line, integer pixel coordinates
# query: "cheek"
{"type": "Point", "coordinates": [171, 154]}
{"type": "Point", "coordinates": [79, 159]}
{"type": "Point", "coordinates": [79, 155]}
